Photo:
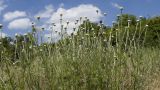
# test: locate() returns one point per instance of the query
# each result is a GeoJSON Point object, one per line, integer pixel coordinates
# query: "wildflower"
{"type": "Point", "coordinates": [48, 37]}
{"type": "Point", "coordinates": [30, 47]}
{"type": "Point", "coordinates": [41, 50]}
{"type": "Point", "coordinates": [16, 62]}
{"type": "Point", "coordinates": [105, 40]}
{"type": "Point", "coordinates": [54, 24]}
{"type": "Point", "coordinates": [97, 11]}
{"type": "Point", "coordinates": [16, 35]}
{"type": "Point", "coordinates": [74, 29]}
{"type": "Point", "coordinates": [146, 26]}
{"type": "Point", "coordinates": [129, 20]}
{"type": "Point", "coordinates": [140, 17]}
{"type": "Point", "coordinates": [61, 15]}
{"type": "Point", "coordinates": [77, 20]}
{"type": "Point", "coordinates": [38, 17]}
{"type": "Point", "coordinates": [67, 22]}
{"type": "Point", "coordinates": [56, 31]}
{"type": "Point", "coordinates": [34, 46]}
{"type": "Point", "coordinates": [1, 26]}
{"type": "Point", "coordinates": [100, 21]}
{"type": "Point", "coordinates": [92, 29]}
{"type": "Point", "coordinates": [137, 20]}
{"type": "Point", "coordinates": [65, 28]}
{"type": "Point", "coordinates": [104, 33]}
{"type": "Point", "coordinates": [121, 8]}
{"type": "Point", "coordinates": [42, 29]}
{"type": "Point", "coordinates": [118, 15]}
{"type": "Point", "coordinates": [112, 36]}
{"type": "Point", "coordinates": [113, 22]}
{"type": "Point", "coordinates": [33, 24]}
{"type": "Point", "coordinates": [86, 18]}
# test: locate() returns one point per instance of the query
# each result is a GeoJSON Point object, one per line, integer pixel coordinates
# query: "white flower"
{"type": "Point", "coordinates": [121, 8]}
{"type": "Point", "coordinates": [129, 20]}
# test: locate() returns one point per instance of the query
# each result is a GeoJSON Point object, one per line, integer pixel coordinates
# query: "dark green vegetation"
{"type": "Point", "coordinates": [125, 56]}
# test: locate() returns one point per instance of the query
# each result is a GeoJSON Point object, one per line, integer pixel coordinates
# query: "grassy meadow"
{"type": "Point", "coordinates": [123, 56]}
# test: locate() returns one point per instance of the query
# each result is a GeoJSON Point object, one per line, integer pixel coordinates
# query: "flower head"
{"type": "Point", "coordinates": [1, 26]}
{"type": "Point", "coordinates": [38, 17]}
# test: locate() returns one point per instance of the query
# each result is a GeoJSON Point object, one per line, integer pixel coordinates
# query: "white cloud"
{"type": "Point", "coordinates": [22, 24]}
{"type": "Point", "coordinates": [47, 12]}
{"type": "Point", "coordinates": [2, 35]}
{"type": "Point", "coordinates": [13, 15]}
{"type": "Point", "coordinates": [116, 5]}
{"type": "Point", "coordinates": [2, 5]}
{"type": "Point", "coordinates": [71, 14]}
{"type": "Point", "coordinates": [74, 13]}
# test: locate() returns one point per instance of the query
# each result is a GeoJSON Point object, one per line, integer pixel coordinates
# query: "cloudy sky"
{"type": "Point", "coordinates": [17, 15]}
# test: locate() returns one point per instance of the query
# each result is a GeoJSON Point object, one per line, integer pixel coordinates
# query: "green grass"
{"type": "Point", "coordinates": [81, 67]}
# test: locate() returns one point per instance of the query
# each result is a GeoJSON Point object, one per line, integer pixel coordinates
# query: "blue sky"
{"type": "Point", "coordinates": [26, 10]}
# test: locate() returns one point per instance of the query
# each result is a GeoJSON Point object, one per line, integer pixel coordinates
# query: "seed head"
{"type": "Point", "coordinates": [16, 35]}
{"type": "Point", "coordinates": [97, 11]}
{"type": "Point", "coordinates": [140, 17]}
{"type": "Point", "coordinates": [137, 20]}
{"type": "Point", "coordinates": [67, 22]}
{"type": "Point", "coordinates": [146, 25]}
{"type": "Point", "coordinates": [77, 20]}
{"type": "Point", "coordinates": [129, 20]}
{"type": "Point", "coordinates": [1, 26]}
{"type": "Point", "coordinates": [38, 17]}
{"type": "Point", "coordinates": [42, 28]}
{"type": "Point", "coordinates": [121, 8]}
{"type": "Point", "coordinates": [61, 14]}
